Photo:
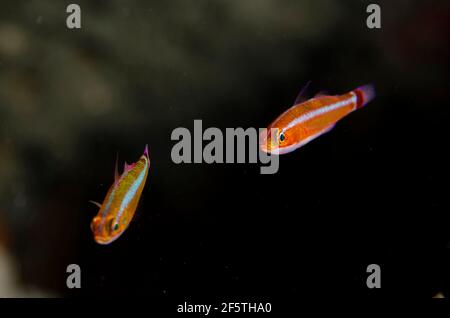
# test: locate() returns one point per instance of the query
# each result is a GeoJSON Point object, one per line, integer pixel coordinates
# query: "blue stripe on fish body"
{"type": "Point", "coordinates": [131, 193]}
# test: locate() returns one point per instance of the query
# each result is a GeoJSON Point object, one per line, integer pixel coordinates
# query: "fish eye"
{"type": "Point", "coordinates": [114, 225]}
{"type": "Point", "coordinates": [282, 136]}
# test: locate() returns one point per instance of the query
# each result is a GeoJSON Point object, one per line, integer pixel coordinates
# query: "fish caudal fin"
{"type": "Point", "coordinates": [364, 94]}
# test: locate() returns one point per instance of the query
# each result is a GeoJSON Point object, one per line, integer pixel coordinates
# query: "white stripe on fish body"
{"type": "Point", "coordinates": [132, 191]}
{"type": "Point", "coordinates": [322, 110]}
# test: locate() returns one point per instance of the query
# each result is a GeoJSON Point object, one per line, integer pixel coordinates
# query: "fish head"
{"type": "Point", "coordinates": [106, 229]}
{"type": "Point", "coordinates": [274, 140]}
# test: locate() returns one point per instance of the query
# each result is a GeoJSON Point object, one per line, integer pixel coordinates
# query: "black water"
{"type": "Point", "coordinates": [373, 190]}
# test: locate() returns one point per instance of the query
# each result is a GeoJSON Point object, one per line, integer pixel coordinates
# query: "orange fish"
{"type": "Point", "coordinates": [121, 201]}
{"type": "Point", "coordinates": [309, 119]}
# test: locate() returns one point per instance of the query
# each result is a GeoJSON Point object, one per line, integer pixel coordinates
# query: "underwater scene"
{"type": "Point", "coordinates": [224, 155]}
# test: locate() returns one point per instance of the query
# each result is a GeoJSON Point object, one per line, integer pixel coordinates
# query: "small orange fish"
{"type": "Point", "coordinates": [308, 120]}
{"type": "Point", "coordinates": [121, 201]}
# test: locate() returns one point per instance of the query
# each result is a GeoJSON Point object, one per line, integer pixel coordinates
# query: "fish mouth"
{"type": "Point", "coordinates": [267, 141]}
{"type": "Point", "coordinates": [266, 146]}
{"type": "Point", "coordinates": [263, 145]}
{"type": "Point", "coordinates": [103, 240]}
{"type": "Point", "coordinates": [271, 151]}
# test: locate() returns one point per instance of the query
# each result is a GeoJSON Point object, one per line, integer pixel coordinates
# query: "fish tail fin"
{"type": "Point", "coordinates": [364, 94]}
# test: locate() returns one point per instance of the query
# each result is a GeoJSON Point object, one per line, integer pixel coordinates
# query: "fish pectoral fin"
{"type": "Point", "coordinates": [127, 167]}
{"type": "Point", "coordinates": [96, 203]}
{"type": "Point", "coordinates": [302, 96]}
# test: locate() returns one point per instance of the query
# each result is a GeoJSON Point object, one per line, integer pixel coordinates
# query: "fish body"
{"type": "Point", "coordinates": [308, 120]}
{"type": "Point", "coordinates": [120, 203]}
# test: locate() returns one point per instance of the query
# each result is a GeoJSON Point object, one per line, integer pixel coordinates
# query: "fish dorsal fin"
{"type": "Point", "coordinates": [96, 203]}
{"type": "Point", "coordinates": [301, 97]}
{"type": "Point", "coordinates": [321, 93]}
{"type": "Point", "coordinates": [127, 167]}
{"type": "Point", "coordinates": [116, 170]}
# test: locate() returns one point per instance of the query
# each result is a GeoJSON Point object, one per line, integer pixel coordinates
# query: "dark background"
{"type": "Point", "coordinates": [374, 190]}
